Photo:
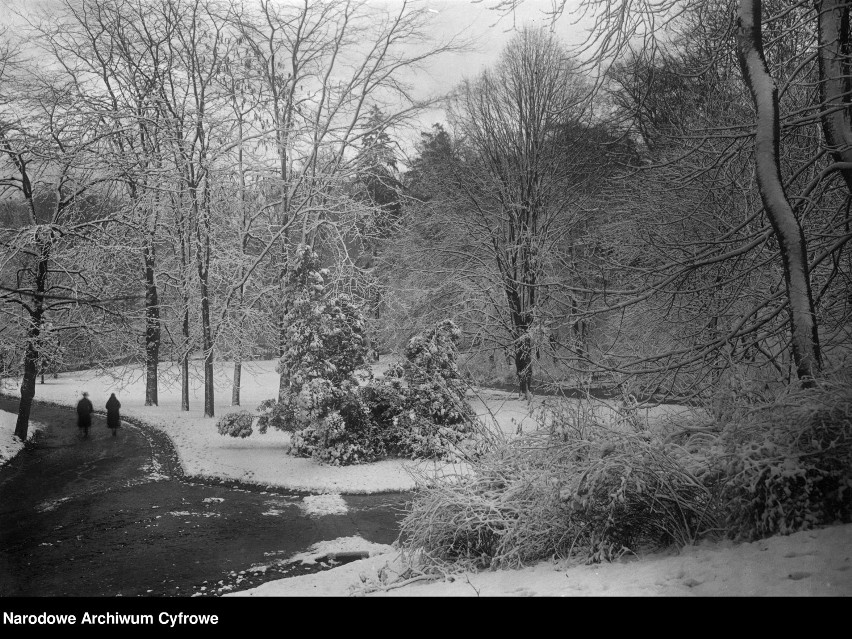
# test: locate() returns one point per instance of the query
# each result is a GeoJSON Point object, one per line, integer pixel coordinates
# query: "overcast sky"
{"type": "Point", "coordinates": [490, 30]}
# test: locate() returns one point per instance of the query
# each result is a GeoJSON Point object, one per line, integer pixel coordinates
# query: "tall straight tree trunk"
{"type": "Point", "coordinates": [238, 373]}
{"type": "Point", "coordinates": [523, 364]}
{"type": "Point", "coordinates": [184, 359]}
{"type": "Point", "coordinates": [835, 81]}
{"type": "Point", "coordinates": [183, 236]}
{"type": "Point", "coordinates": [238, 355]}
{"type": "Point", "coordinates": [203, 264]}
{"type": "Point", "coordinates": [152, 325]}
{"type": "Point", "coordinates": [520, 337]}
{"type": "Point", "coordinates": [791, 239]}
{"type": "Point", "coordinates": [31, 354]}
{"type": "Point", "coordinates": [283, 380]}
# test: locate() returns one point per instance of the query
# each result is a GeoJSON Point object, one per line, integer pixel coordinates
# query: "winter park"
{"type": "Point", "coordinates": [425, 298]}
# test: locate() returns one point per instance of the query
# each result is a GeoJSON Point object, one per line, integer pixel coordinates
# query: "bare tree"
{"type": "Point", "coordinates": [47, 149]}
{"type": "Point", "coordinates": [321, 66]}
{"type": "Point", "coordinates": [791, 240]}
{"type": "Point", "coordinates": [516, 196]}
{"type": "Point", "coordinates": [794, 170]}
{"type": "Point", "coordinates": [115, 64]}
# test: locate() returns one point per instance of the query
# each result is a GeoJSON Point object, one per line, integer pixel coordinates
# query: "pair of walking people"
{"type": "Point", "coordinates": [85, 410]}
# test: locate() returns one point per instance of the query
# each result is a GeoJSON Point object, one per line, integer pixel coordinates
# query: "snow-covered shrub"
{"type": "Point", "coordinates": [597, 493]}
{"type": "Point", "coordinates": [277, 415]}
{"type": "Point", "coordinates": [787, 466]}
{"type": "Point", "coordinates": [236, 424]}
{"type": "Point", "coordinates": [542, 496]}
{"type": "Point", "coordinates": [324, 343]}
{"type": "Point", "coordinates": [421, 401]}
{"type": "Point", "coordinates": [325, 355]}
{"type": "Point", "coordinates": [345, 436]}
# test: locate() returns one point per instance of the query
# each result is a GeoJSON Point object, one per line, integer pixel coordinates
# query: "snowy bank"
{"type": "Point", "coordinates": [9, 444]}
{"type": "Point", "coordinates": [810, 563]}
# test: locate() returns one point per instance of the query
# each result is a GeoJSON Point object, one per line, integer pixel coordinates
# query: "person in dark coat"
{"type": "Point", "coordinates": [113, 418]}
{"type": "Point", "coordinates": [84, 414]}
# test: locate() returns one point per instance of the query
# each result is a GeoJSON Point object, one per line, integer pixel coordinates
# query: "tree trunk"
{"type": "Point", "coordinates": [521, 318]}
{"type": "Point", "coordinates": [28, 384]}
{"type": "Point", "coordinates": [201, 215]}
{"type": "Point", "coordinates": [31, 355]}
{"type": "Point", "coordinates": [791, 240]}
{"type": "Point", "coordinates": [835, 82]}
{"type": "Point", "coordinates": [152, 327]}
{"type": "Point", "coordinates": [235, 390]}
{"type": "Point", "coordinates": [206, 331]}
{"type": "Point", "coordinates": [283, 379]}
{"type": "Point", "coordinates": [238, 357]}
{"type": "Point", "coordinates": [523, 365]}
{"type": "Point", "coordinates": [184, 361]}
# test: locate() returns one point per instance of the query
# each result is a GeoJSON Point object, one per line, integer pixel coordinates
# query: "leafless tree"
{"type": "Point", "coordinates": [784, 50]}
{"type": "Point", "coordinates": [48, 149]}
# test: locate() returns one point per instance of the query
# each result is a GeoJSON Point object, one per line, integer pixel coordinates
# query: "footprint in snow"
{"type": "Point", "coordinates": [796, 576]}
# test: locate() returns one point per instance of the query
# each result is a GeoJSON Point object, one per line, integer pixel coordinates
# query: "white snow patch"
{"type": "Point", "coordinates": [328, 504]}
{"type": "Point", "coordinates": [47, 506]}
{"type": "Point", "coordinates": [9, 444]}
{"type": "Point", "coordinates": [187, 513]}
{"type": "Point", "coordinates": [340, 546]}
{"type": "Point", "coordinates": [810, 563]}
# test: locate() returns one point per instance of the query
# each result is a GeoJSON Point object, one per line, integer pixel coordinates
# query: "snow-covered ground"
{"type": "Point", "coordinates": [9, 444]}
{"type": "Point", "coordinates": [808, 563]}
{"type": "Point", "coordinates": [261, 459]}
{"type": "Point", "coordinates": [812, 563]}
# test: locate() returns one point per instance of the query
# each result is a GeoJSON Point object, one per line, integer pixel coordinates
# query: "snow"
{"type": "Point", "coordinates": [319, 505]}
{"type": "Point", "coordinates": [339, 547]}
{"type": "Point", "coordinates": [817, 562]}
{"type": "Point", "coordinates": [9, 444]}
{"type": "Point", "coordinates": [810, 563]}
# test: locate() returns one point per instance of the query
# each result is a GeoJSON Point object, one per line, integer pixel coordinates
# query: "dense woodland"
{"type": "Point", "coordinates": [584, 224]}
{"type": "Point", "coordinates": [663, 215]}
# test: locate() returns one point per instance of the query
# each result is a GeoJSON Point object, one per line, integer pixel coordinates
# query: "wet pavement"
{"type": "Point", "coordinates": [114, 516]}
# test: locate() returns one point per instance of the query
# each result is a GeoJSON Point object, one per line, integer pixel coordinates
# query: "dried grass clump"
{"type": "Point", "coordinates": [541, 496]}
{"type": "Point", "coordinates": [787, 465]}
{"type": "Point", "coordinates": [576, 488]}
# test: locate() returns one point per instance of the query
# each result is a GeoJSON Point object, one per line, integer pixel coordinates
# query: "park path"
{"type": "Point", "coordinates": [114, 516]}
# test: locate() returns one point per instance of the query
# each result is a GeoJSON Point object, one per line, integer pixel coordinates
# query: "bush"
{"type": "Point", "coordinates": [325, 347]}
{"type": "Point", "coordinates": [417, 410]}
{"type": "Point", "coordinates": [787, 466]}
{"type": "Point", "coordinates": [279, 416]}
{"type": "Point", "coordinates": [421, 402]}
{"type": "Point", "coordinates": [540, 497]}
{"type": "Point", "coordinates": [324, 354]}
{"type": "Point", "coordinates": [584, 489]}
{"type": "Point", "coordinates": [236, 424]}
{"type": "Point", "coordinates": [346, 436]}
